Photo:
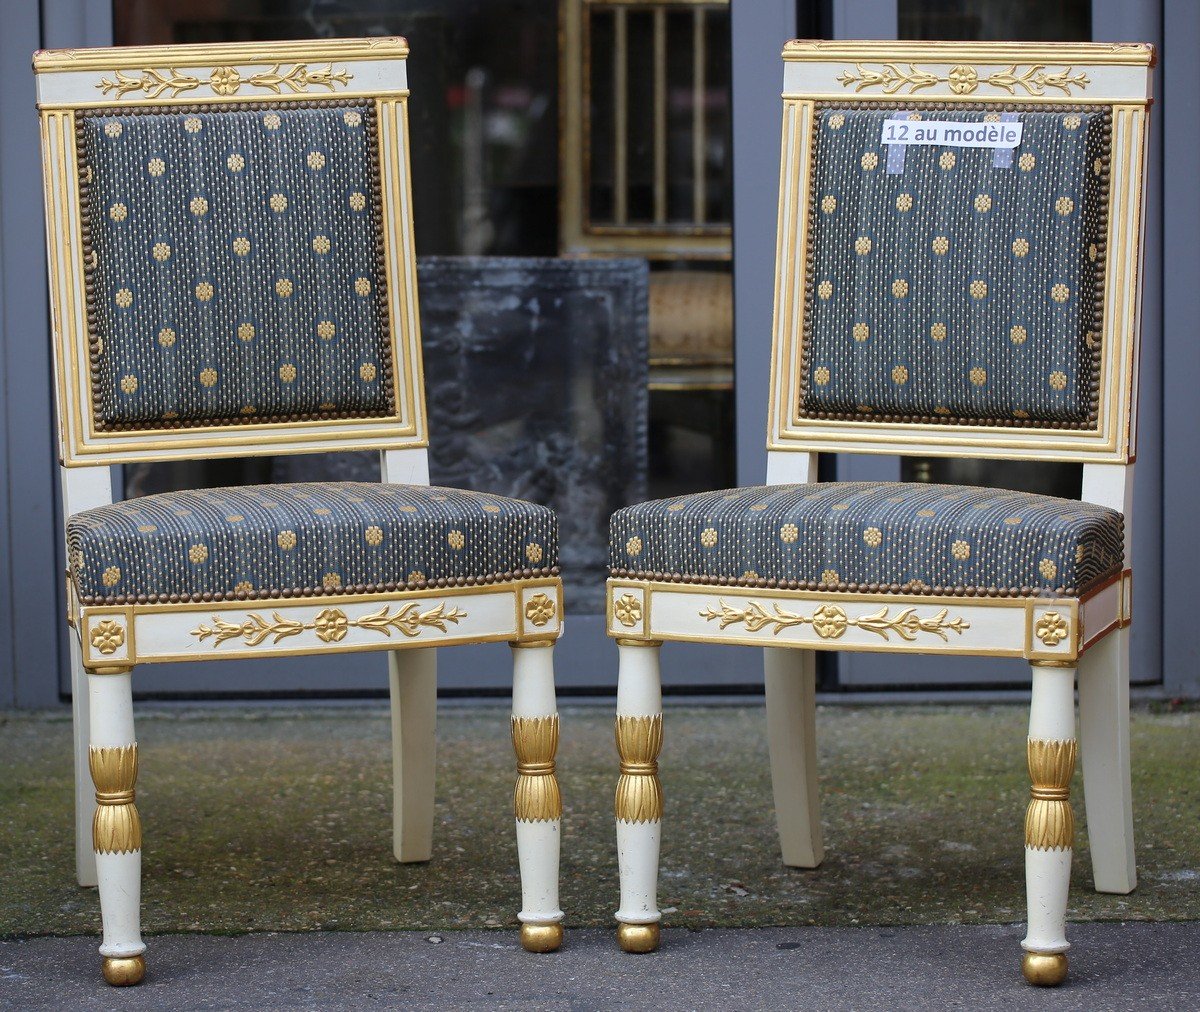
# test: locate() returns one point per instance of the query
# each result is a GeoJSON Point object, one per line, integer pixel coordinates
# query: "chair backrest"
{"type": "Point", "coordinates": [959, 251]}
{"type": "Point", "coordinates": [230, 247]}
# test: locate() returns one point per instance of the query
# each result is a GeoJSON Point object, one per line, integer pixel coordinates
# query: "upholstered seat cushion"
{"type": "Point", "coordinates": [872, 536]}
{"type": "Point", "coordinates": [304, 538]}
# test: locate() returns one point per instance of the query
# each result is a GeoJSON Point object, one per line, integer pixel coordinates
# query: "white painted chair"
{"type": "Point", "coordinates": [231, 273]}
{"type": "Point", "coordinates": [934, 297]}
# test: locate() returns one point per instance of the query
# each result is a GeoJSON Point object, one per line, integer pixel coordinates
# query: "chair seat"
{"type": "Point", "coordinates": [870, 536]}
{"type": "Point", "coordinates": [305, 538]}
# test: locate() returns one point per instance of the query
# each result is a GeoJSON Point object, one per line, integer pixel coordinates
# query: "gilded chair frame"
{"type": "Point", "coordinates": [110, 637]}
{"type": "Point", "coordinates": [1054, 635]}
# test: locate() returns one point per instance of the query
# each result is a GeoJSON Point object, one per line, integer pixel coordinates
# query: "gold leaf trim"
{"type": "Point", "coordinates": [223, 81]}
{"type": "Point", "coordinates": [639, 796]}
{"type": "Point", "coordinates": [537, 797]}
{"type": "Point", "coordinates": [830, 621]}
{"type": "Point", "coordinates": [1032, 80]}
{"type": "Point", "coordinates": [1049, 820]}
{"type": "Point", "coordinates": [116, 825]}
{"type": "Point", "coordinates": [331, 624]}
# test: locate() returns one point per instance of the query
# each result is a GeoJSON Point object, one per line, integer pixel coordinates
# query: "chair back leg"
{"type": "Point", "coordinates": [85, 796]}
{"type": "Point", "coordinates": [412, 676]}
{"type": "Point", "coordinates": [537, 801]}
{"type": "Point", "coordinates": [790, 677]}
{"type": "Point", "coordinates": [1104, 747]}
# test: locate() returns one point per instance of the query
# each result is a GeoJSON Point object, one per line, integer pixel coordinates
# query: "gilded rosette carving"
{"type": "Point", "coordinates": [1049, 821]}
{"type": "Point", "coordinates": [639, 793]}
{"type": "Point", "coordinates": [116, 826]}
{"type": "Point", "coordinates": [535, 741]}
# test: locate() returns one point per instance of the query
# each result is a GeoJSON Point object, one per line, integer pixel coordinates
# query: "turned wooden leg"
{"type": "Point", "coordinates": [85, 796]}
{"type": "Point", "coordinates": [1049, 822]}
{"type": "Point", "coordinates": [537, 802]}
{"type": "Point", "coordinates": [413, 684]}
{"type": "Point", "coordinates": [116, 826]}
{"type": "Point", "coordinates": [1104, 744]}
{"type": "Point", "coordinates": [639, 800]}
{"type": "Point", "coordinates": [790, 677]}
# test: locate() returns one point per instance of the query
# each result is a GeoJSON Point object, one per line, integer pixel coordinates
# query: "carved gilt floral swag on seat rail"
{"type": "Point", "coordinates": [232, 273]}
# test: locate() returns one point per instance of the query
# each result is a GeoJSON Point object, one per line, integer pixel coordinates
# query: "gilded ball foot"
{"type": "Point", "coordinates": [1045, 969]}
{"type": "Point", "coordinates": [637, 937]}
{"type": "Point", "coordinates": [124, 971]}
{"type": "Point", "coordinates": [541, 937]}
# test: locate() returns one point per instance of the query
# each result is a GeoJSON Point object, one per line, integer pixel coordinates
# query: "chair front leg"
{"type": "Point", "coordinates": [537, 802]}
{"type": "Point", "coordinates": [639, 800]}
{"type": "Point", "coordinates": [116, 826]}
{"type": "Point", "coordinates": [1049, 822]}
{"type": "Point", "coordinates": [413, 685]}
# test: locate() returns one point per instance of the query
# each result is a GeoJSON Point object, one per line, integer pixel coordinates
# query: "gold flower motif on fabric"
{"type": "Point", "coordinates": [892, 79]}
{"type": "Point", "coordinates": [331, 625]}
{"type": "Point", "coordinates": [223, 81]}
{"type": "Point", "coordinates": [830, 621]}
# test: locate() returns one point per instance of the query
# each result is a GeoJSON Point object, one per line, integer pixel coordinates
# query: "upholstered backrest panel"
{"type": "Point", "coordinates": [235, 264]}
{"type": "Point", "coordinates": [956, 283]}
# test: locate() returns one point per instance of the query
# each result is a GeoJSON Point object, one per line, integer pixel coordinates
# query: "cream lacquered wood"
{"type": "Point", "coordinates": [1104, 751]}
{"type": "Point", "coordinates": [1055, 635]}
{"type": "Point", "coordinates": [412, 683]}
{"type": "Point", "coordinates": [109, 640]}
{"type": "Point", "coordinates": [790, 679]}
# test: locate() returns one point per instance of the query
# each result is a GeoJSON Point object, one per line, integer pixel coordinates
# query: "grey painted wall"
{"type": "Point", "coordinates": [28, 538]}
{"type": "Point", "coordinates": [1179, 84]}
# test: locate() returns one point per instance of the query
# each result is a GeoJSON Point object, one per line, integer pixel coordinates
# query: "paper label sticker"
{"type": "Point", "coordinates": [948, 134]}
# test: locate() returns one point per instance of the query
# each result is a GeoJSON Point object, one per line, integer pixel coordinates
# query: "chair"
{"type": "Point", "coordinates": [231, 274]}
{"type": "Point", "coordinates": [938, 299]}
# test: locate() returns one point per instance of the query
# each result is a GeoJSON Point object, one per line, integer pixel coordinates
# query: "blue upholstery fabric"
{"type": "Point", "coordinates": [305, 538]}
{"type": "Point", "coordinates": [871, 536]}
{"type": "Point", "coordinates": [956, 289]}
{"type": "Point", "coordinates": [237, 266]}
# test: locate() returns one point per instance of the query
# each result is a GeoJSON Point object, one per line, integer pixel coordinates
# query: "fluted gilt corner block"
{"type": "Point", "coordinates": [231, 274]}
{"type": "Point", "coordinates": [958, 267]}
